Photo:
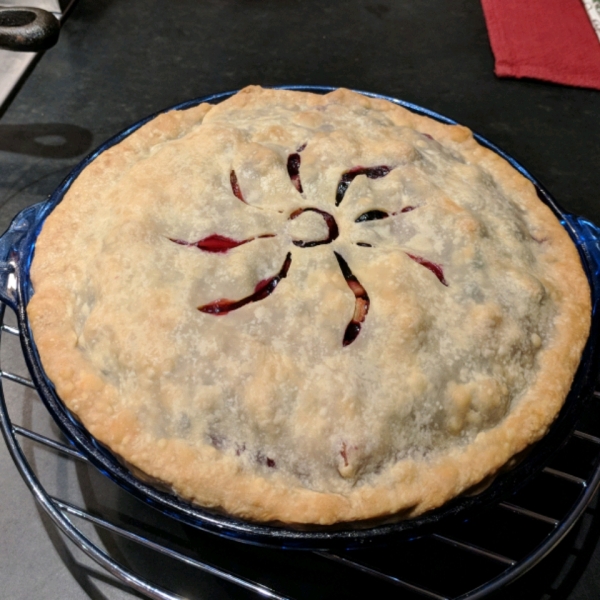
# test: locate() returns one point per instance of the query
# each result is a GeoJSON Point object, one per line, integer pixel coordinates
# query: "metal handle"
{"type": "Point", "coordinates": [11, 250]}
{"type": "Point", "coordinates": [28, 29]}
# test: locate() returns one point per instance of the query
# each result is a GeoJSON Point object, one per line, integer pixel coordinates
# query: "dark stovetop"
{"type": "Point", "coordinates": [117, 62]}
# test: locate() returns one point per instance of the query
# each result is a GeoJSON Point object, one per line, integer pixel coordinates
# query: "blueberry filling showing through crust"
{"type": "Point", "coordinates": [344, 453]}
{"type": "Point", "coordinates": [372, 215]}
{"type": "Point", "coordinates": [235, 186]}
{"type": "Point", "coordinates": [329, 221]}
{"type": "Point", "coordinates": [263, 289]}
{"type": "Point", "coordinates": [265, 460]}
{"type": "Point", "coordinates": [221, 443]}
{"type": "Point", "coordinates": [433, 267]}
{"type": "Point", "coordinates": [349, 176]}
{"type": "Point", "coordinates": [219, 243]}
{"type": "Point", "coordinates": [293, 168]}
{"type": "Point", "coordinates": [361, 302]}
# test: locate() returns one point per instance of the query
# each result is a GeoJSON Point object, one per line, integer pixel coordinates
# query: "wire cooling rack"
{"type": "Point", "coordinates": [164, 559]}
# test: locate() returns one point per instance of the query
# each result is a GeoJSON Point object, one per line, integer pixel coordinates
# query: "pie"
{"type": "Point", "coordinates": [308, 309]}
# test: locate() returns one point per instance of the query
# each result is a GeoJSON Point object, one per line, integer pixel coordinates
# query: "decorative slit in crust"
{"type": "Point", "coordinates": [218, 243]}
{"type": "Point", "coordinates": [361, 303]}
{"type": "Point", "coordinates": [263, 289]}
{"type": "Point", "coordinates": [333, 231]}
{"type": "Point", "coordinates": [349, 176]}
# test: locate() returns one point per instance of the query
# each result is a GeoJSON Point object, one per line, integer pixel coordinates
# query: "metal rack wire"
{"type": "Point", "coordinates": [465, 559]}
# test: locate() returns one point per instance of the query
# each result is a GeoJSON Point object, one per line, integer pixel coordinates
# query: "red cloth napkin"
{"type": "Point", "coordinates": [551, 40]}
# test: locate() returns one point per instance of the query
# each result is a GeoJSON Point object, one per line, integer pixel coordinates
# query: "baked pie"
{"type": "Point", "coordinates": [308, 309]}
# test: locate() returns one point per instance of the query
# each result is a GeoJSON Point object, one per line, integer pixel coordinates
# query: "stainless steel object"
{"type": "Point", "coordinates": [16, 65]}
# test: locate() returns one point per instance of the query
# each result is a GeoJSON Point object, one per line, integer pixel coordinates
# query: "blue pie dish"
{"type": "Point", "coordinates": [17, 247]}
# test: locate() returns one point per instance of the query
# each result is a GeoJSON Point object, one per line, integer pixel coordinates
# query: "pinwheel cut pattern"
{"type": "Point", "coordinates": [217, 243]}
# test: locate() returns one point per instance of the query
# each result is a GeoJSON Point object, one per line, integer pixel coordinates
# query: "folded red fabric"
{"type": "Point", "coordinates": [551, 40]}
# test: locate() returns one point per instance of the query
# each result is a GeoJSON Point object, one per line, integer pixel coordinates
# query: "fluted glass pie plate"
{"type": "Point", "coordinates": [17, 247]}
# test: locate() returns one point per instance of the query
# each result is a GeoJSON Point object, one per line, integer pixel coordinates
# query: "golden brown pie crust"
{"type": "Point", "coordinates": [478, 307]}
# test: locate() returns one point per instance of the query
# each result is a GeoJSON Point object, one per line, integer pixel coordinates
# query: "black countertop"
{"type": "Point", "coordinates": [117, 62]}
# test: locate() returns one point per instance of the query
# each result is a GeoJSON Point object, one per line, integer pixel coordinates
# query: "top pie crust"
{"type": "Point", "coordinates": [442, 343]}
